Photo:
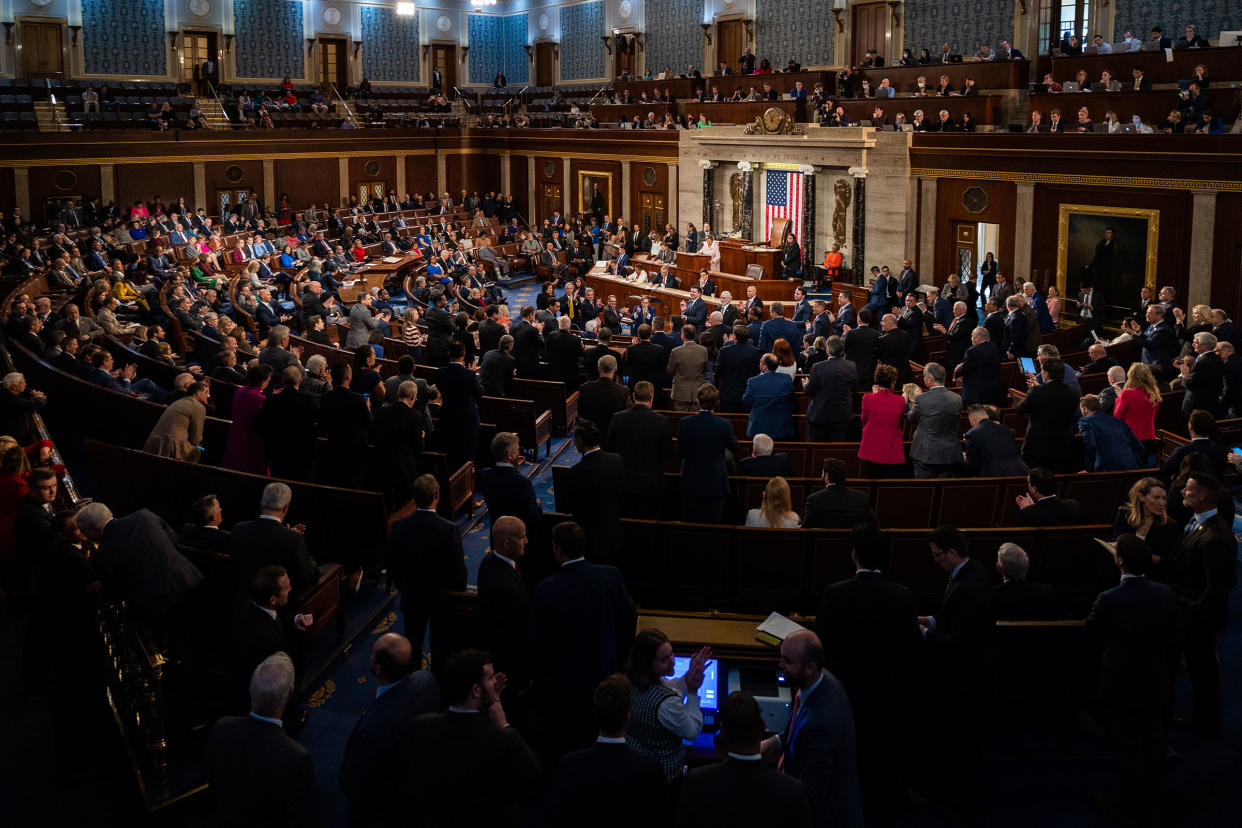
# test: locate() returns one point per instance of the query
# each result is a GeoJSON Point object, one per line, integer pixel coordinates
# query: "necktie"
{"type": "Point", "coordinates": [1190, 527]}
{"type": "Point", "coordinates": [790, 730]}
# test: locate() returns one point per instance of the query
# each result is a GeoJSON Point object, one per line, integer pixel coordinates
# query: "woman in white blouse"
{"type": "Point", "coordinates": [775, 511]}
{"type": "Point", "coordinates": [663, 713]}
{"type": "Point", "coordinates": [712, 248]}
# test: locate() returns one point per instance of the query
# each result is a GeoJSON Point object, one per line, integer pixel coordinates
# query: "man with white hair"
{"type": "Point", "coordinates": [1018, 599]}
{"type": "Point", "coordinates": [1037, 303]}
{"type": "Point", "coordinates": [16, 407]}
{"type": "Point", "coordinates": [1100, 360]}
{"type": "Point", "coordinates": [763, 463]}
{"type": "Point", "coordinates": [1116, 381]}
{"type": "Point", "coordinates": [266, 541]}
{"type": "Point", "coordinates": [1206, 380]}
{"type": "Point", "coordinates": [260, 775]}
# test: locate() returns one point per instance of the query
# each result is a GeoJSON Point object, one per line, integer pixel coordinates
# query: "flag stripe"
{"type": "Point", "coordinates": [783, 199]}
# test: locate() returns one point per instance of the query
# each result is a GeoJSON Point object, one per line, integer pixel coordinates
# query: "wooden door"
{"type": "Point", "coordinates": [227, 200]}
{"type": "Point", "coordinates": [651, 211]}
{"type": "Point", "coordinates": [965, 249]}
{"type": "Point", "coordinates": [444, 59]}
{"type": "Point", "coordinates": [368, 190]}
{"type": "Point", "coordinates": [623, 51]}
{"type": "Point", "coordinates": [730, 43]}
{"type": "Point", "coordinates": [545, 64]}
{"type": "Point", "coordinates": [549, 200]}
{"type": "Point", "coordinates": [196, 47]}
{"type": "Point", "coordinates": [42, 48]}
{"type": "Point", "coordinates": [333, 65]}
{"type": "Point", "coordinates": [869, 23]}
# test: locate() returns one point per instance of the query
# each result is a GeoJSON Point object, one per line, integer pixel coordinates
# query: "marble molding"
{"type": "Point", "coordinates": [808, 221]}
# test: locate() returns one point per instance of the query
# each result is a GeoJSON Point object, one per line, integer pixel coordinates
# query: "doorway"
{"type": "Point", "coordinates": [444, 61]}
{"type": "Point", "coordinates": [228, 200]}
{"type": "Point", "coordinates": [42, 47]}
{"type": "Point", "coordinates": [549, 200]}
{"type": "Point", "coordinates": [368, 190]}
{"type": "Point", "coordinates": [545, 64]}
{"type": "Point", "coordinates": [972, 241]}
{"type": "Point", "coordinates": [730, 43]}
{"type": "Point", "coordinates": [196, 48]}
{"type": "Point", "coordinates": [651, 211]}
{"type": "Point", "coordinates": [870, 23]}
{"type": "Point", "coordinates": [333, 66]}
{"type": "Point", "coordinates": [624, 48]}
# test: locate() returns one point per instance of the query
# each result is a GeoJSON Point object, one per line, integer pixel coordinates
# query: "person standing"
{"type": "Point", "coordinates": [831, 389]}
{"type": "Point", "coordinates": [702, 440]}
{"type": "Point", "coordinates": [592, 494]}
{"type": "Point", "coordinates": [642, 439]}
{"type": "Point", "coordinates": [688, 366]}
{"type": "Point", "coordinates": [460, 392]}
{"type": "Point", "coordinates": [937, 446]}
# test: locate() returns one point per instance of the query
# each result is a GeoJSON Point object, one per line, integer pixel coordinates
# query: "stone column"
{"type": "Point", "coordinates": [709, 190]}
{"type": "Point", "coordinates": [269, 184]}
{"type": "Point", "coordinates": [927, 231]}
{"type": "Point", "coordinates": [1024, 215]}
{"type": "Point", "coordinates": [568, 205]}
{"type": "Point", "coordinates": [530, 190]}
{"type": "Point", "coordinates": [401, 175]}
{"type": "Point", "coordinates": [673, 185]}
{"type": "Point", "coordinates": [21, 190]}
{"type": "Point", "coordinates": [627, 194]}
{"type": "Point", "coordinates": [342, 168]}
{"type": "Point", "coordinates": [748, 198]}
{"type": "Point", "coordinates": [1203, 219]}
{"type": "Point", "coordinates": [858, 260]}
{"type": "Point", "coordinates": [808, 220]}
{"type": "Point", "coordinates": [107, 184]}
{"type": "Point", "coordinates": [506, 174]}
{"type": "Point", "coordinates": [200, 184]}
{"type": "Point", "coordinates": [441, 174]}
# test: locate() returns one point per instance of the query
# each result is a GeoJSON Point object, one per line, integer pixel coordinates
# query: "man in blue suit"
{"type": "Point", "coordinates": [1158, 340]}
{"type": "Point", "coordinates": [702, 440]}
{"type": "Point", "coordinates": [769, 395]}
{"type": "Point", "coordinates": [802, 308]}
{"type": "Point", "coordinates": [908, 281]}
{"type": "Point", "coordinates": [847, 315]}
{"type": "Point", "coordinates": [877, 301]}
{"type": "Point", "coordinates": [621, 266]}
{"type": "Point", "coordinates": [1037, 303]}
{"type": "Point", "coordinates": [642, 314]}
{"type": "Point", "coordinates": [508, 492]}
{"type": "Point", "coordinates": [696, 310]}
{"type": "Point", "coordinates": [778, 327]}
{"type": "Point", "coordinates": [736, 363]}
{"type": "Point", "coordinates": [1108, 444]}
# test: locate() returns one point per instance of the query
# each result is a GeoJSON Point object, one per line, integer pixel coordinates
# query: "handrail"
{"type": "Point", "coordinates": [597, 94]}
{"type": "Point", "coordinates": [348, 111]}
{"type": "Point", "coordinates": [465, 101]}
{"type": "Point", "coordinates": [219, 102]}
{"type": "Point", "coordinates": [70, 489]}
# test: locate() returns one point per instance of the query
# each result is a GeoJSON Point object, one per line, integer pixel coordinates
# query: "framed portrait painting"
{"type": "Point", "coordinates": [1112, 247]}
{"type": "Point", "coordinates": [595, 194]}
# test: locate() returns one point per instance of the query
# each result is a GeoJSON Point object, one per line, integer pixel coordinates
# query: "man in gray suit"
{"type": "Point", "coordinates": [937, 447]}
{"type": "Point", "coordinates": [361, 323]}
{"type": "Point", "coordinates": [831, 389]}
{"type": "Point", "coordinates": [687, 364]}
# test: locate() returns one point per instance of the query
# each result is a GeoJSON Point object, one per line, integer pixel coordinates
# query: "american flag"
{"type": "Point", "coordinates": [783, 200]}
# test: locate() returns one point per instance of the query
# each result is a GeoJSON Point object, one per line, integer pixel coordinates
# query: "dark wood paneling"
{"type": "Point", "coordinates": [614, 198]}
{"type": "Point", "coordinates": [638, 185]}
{"type": "Point", "coordinates": [251, 175]}
{"type": "Point", "coordinates": [383, 168]}
{"type": "Point", "coordinates": [308, 180]}
{"type": "Point", "coordinates": [554, 174]}
{"type": "Point", "coordinates": [420, 174]}
{"type": "Point", "coordinates": [472, 171]}
{"type": "Point", "coordinates": [52, 182]}
{"type": "Point", "coordinates": [1001, 209]}
{"type": "Point", "coordinates": [8, 192]}
{"type": "Point", "coordinates": [519, 182]}
{"type": "Point", "coordinates": [1227, 255]}
{"type": "Point", "coordinates": [145, 181]}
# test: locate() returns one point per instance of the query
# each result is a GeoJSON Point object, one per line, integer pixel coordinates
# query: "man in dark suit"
{"type": "Point", "coordinates": [836, 506]}
{"type": "Point", "coordinates": [1202, 572]}
{"type": "Point", "coordinates": [958, 638]}
{"type": "Point", "coordinates": [609, 771]}
{"type": "Point", "coordinates": [957, 335]}
{"type": "Point", "coordinates": [490, 331]}
{"type": "Point", "coordinates": [582, 623]}
{"type": "Point", "coordinates": [702, 440]}
{"type": "Point", "coordinates": [259, 774]}
{"type": "Point", "coordinates": [980, 370]}
{"type": "Point", "coordinates": [736, 363]}
{"type": "Point", "coordinates": [289, 423]}
{"type": "Point", "coordinates": [831, 389]}
{"type": "Point", "coordinates": [763, 463]}
{"type": "Point", "coordinates": [991, 450]}
{"type": "Point", "coordinates": [527, 343]}
{"type": "Point", "coordinates": [1040, 506]}
{"type": "Point", "coordinates": [497, 368]}
{"type": "Point", "coordinates": [645, 360]}
{"type": "Point", "coordinates": [696, 310]}
{"type": "Point", "coordinates": [846, 317]}
{"type": "Point", "coordinates": [591, 356]}
{"type": "Point", "coordinates": [893, 349]}
{"type": "Point", "coordinates": [1052, 411]}
{"type": "Point", "coordinates": [1200, 425]}
{"type": "Point", "coordinates": [504, 610]}
{"type": "Point", "coordinates": [818, 745]}
{"type": "Point", "coordinates": [1158, 340]}
{"type": "Point", "coordinates": [742, 790]}
{"type": "Point", "coordinates": [778, 327]}
{"type": "Point", "coordinates": [937, 447]}
{"type": "Point", "coordinates": [266, 541]}
{"type": "Point", "coordinates": [595, 482]}
{"type": "Point", "coordinates": [642, 439]}
{"type": "Point", "coordinates": [1108, 443]}
{"type": "Point", "coordinates": [870, 637]}
{"type": "Point", "coordinates": [468, 766]}
{"type": "Point", "coordinates": [373, 769]}
{"type": "Point", "coordinates": [564, 351]}
{"type": "Point", "coordinates": [399, 428]}
{"type": "Point", "coordinates": [770, 397]}
{"type": "Point", "coordinates": [1137, 626]}
{"type": "Point", "coordinates": [603, 397]}
{"type": "Point", "coordinates": [460, 391]}
{"type": "Point", "coordinates": [1018, 599]}
{"type": "Point", "coordinates": [426, 564]}
{"type": "Point", "coordinates": [860, 348]}
{"type": "Point", "coordinates": [257, 631]}
{"type": "Point", "coordinates": [1206, 380]}
{"type": "Point", "coordinates": [203, 531]}
{"type": "Point", "coordinates": [506, 490]}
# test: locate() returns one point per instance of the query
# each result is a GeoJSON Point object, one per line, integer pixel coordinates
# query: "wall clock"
{"type": "Point", "coordinates": [549, 169]}
{"type": "Point", "coordinates": [543, 22]}
{"type": "Point", "coordinates": [444, 23]}
{"type": "Point", "coordinates": [627, 8]}
{"type": "Point", "coordinates": [332, 15]}
{"type": "Point", "coordinates": [200, 8]}
{"type": "Point", "coordinates": [40, 3]}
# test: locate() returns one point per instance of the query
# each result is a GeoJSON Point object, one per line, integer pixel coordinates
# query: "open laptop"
{"type": "Point", "coordinates": [1099, 87]}
{"type": "Point", "coordinates": [1069, 86]}
{"type": "Point", "coordinates": [907, 127]}
{"type": "Point", "coordinates": [1039, 89]}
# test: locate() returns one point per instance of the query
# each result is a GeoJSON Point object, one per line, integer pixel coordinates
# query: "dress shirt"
{"type": "Point", "coordinates": [611, 740]}
{"type": "Point", "coordinates": [267, 719]}
{"type": "Point", "coordinates": [686, 719]}
{"type": "Point", "coordinates": [1199, 519]}
{"type": "Point", "coordinates": [931, 621]}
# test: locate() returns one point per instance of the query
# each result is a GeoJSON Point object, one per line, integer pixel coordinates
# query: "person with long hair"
{"type": "Point", "coordinates": [245, 449]}
{"type": "Point", "coordinates": [1145, 515]}
{"type": "Point", "coordinates": [14, 466]}
{"type": "Point", "coordinates": [1137, 404]}
{"type": "Point", "coordinates": [367, 380]}
{"type": "Point", "coordinates": [663, 712]}
{"type": "Point", "coordinates": [882, 440]}
{"type": "Point", "coordinates": [784, 354]}
{"type": "Point", "coordinates": [776, 511]}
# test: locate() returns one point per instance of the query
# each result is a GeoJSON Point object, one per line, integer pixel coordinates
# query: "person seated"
{"type": "Point", "coordinates": [763, 463]}
{"type": "Point", "coordinates": [945, 88]}
{"type": "Point", "coordinates": [1040, 506]}
{"type": "Point", "coordinates": [1108, 443]}
{"type": "Point", "coordinates": [774, 511]}
{"type": "Point", "coordinates": [1192, 40]}
{"type": "Point", "coordinates": [1018, 599]}
{"type": "Point", "coordinates": [1084, 125]}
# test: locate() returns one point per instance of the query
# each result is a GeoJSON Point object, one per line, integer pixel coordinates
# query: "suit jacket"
{"type": "Point", "coordinates": [426, 560]}
{"type": "Point", "coordinates": [696, 313]}
{"type": "Point", "coordinates": [736, 363]}
{"type": "Point", "coordinates": [595, 482]}
{"type": "Point", "coordinates": [591, 357]}
{"type": "Point", "coordinates": [860, 349]}
{"type": "Point", "coordinates": [267, 542]}
{"type": "Point", "coordinates": [642, 438]}
{"type": "Point", "coordinates": [831, 389]}
{"type": "Point", "coordinates": [992, 451]}
{"type": "Point", "coordinates": [504, 619]}
{"type": "Point", "coordinates": [1109, 444]}
{"type": "Point", "coordinates": [253, 636]}
{"type": "Point", "coordinates": [1139, 630]}
{"type": "Point", "coordinates": [937, 440]}
{"type": "Point", "coordinates": [179, 431]}
{"type": "Point", "coordinates": [645, 361]}
{"type": "Point", "coordinates": [767, 465]}
{"type": "Point", "coordinates": [848, 315]}
{"type": "Point", "coordinates": [702, 440]}
{"type": "Point", "coordinates": [460, 391]}
{"type": "Point", "coordinates": [582, 623]}
{"type": "Point", "coordinates": [260, 775]}
{"type": "Point", "coordinates": [893, 348]}
{"type": "Point", "coordinates": [137, 560]}
{"type": "Point", "coordinates": [1026, 601]}
{"type": "Point", "coordinates": [361, 323]}
{"type": "Point", "coordinates": [961, 640]}
{"type": "Point", "coordinates": [527, 343]}
{"type": "Point", "coordinates": [399, 429]}
{"type": "Point", "coordinates": [599, 400]}
{"type": "Point", "coordinates": [1158, 343]}
{"type": "Point", "coordinates": [740, 792]}
{"type": "Point", "coordinates": [508, 493]}
{"type": "Point", "coordinates": [688, 365]}
{"type": "Point", "coordinates": [822, 754]}
{"type": "Point", "coordinates": [1051, 511]}
{"type": "Point", "coordinates": [1205, 384]}
{"type": "Point", "coordinates": [775, 329]}
{"type": "Point", "coordinates": [980, 373]}
{"type": "Point", "coordinates": [770, 397]}
{"type": "Point", "coordinates": [1052, 409]}
{"type": "Point", "coordinates": [1201, 572]}
{"type": "Point", "coordinates": [632, 786]}
{"type": "Point", "coordinates": [496, 373]}
{"type": "Point", "coordinates": [466, 771]}
{"type": "Point", "coordinates": [564, 350]}
{"type": "Point", "coordinates": [957, 340]}
{"type": "Point", "coordinates": [837, 506]}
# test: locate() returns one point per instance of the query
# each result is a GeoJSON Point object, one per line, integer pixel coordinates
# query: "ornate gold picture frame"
{"type": "Point", "coordinates": [587, 179]}
{"type": "Point", "coordinates": [1118, 269]}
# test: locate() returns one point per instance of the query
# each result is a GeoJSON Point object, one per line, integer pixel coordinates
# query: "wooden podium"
{"type": "Point", "coordinates": [737, 254]}
{"type": "Point", "coordinates": [694, 261]}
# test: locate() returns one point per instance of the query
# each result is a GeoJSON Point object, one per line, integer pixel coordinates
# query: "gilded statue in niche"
{"type": "Point", "coordinates": [735, 196]}
{"type": "Point", "coordinates": [844, 193]}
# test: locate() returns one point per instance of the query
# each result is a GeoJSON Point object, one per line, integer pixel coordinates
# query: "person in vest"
{"type": "Point", "coordinates": [663, 712]}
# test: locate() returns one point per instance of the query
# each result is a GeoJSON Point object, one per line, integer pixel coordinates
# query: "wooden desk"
{"type": "Point", "coordinates": [693, 261]}
{"type": "Point", "coordinates": [728, 634]}
{"type": "Point", "coordinates": [376, 274]}
{"type": "Point", "coordinates": [742, 112]}
{"type": "Point", "coordinates": [984, 109]}
{"type": "Point", "coordinates": [614, 113]}
{"type": "Point", "coordinates": [782, 82]}
{"type": "Point", "coordinates": [667, 301]}
{"type": "Point", "coordinates": [681, 88]}
{"type": "Point", "coordinates": [736, 255]}
{"type": "Point", "coordinates": [1152, 107]}
{"type": "Point", "coordinates": [1223, 64]}
{"type": "Point", "coordinates": [992, 74]}
{"type": "Point", "coordinates": [769, 290]}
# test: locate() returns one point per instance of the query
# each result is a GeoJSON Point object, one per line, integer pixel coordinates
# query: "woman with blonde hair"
{"type": "Point", "coordinates": [1145, 514]}
{"type": "Point", "coordinates": [1200, 322]}
{"type": "Point", "coordinates": [776, 511]}
{"type": "Point", "coordinates": [411, 334]}
{"type": "Point", "coordinates": [1137, 404]}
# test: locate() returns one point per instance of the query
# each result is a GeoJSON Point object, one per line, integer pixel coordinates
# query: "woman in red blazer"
{"type": "Point", "coordinates": [882, 438]}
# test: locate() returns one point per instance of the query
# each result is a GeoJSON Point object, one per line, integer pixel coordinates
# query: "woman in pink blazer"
{"type": "Point", "coordinates": [882, 438]}
{"type": "Point", "coordinates": [245, 449]}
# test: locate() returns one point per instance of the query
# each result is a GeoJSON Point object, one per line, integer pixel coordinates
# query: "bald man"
{"type": "Point", "coordinates": [504, 606]}
{"type": "Point", "coordinates": [817, 746]}
{"type": "Point", "coordinates": [374, 768]}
